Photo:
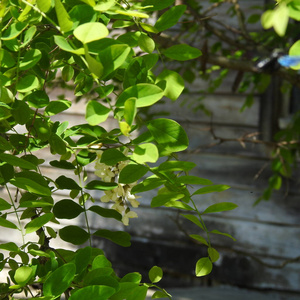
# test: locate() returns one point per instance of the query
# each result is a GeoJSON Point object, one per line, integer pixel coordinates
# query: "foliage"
{"type": "Point", "coordinates": [84, 46]}
{"type": "Point", "coordinates": [234, 40]}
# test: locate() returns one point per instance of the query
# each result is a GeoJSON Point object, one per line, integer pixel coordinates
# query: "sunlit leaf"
{"type": "Point", "coordinates": [203, 266]}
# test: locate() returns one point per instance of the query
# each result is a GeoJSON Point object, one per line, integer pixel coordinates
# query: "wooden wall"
{"type": "Point", "coordinates": [268, 235]}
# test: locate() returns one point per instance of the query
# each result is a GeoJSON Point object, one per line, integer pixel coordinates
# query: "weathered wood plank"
{"type": "Point", "coordinates": [225, 108]}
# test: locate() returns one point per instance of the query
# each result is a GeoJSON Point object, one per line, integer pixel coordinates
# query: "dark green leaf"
{"type": "Point", "coordinates": [4, 204]}
{"type": "Point", "coordinates": [182, 52]}
{"type": "Point", "coordinates": [59, 280]}
{"type": "Point", "coordinates": [64, 182]}
{"type": "Point", "coordinates": [170, 17]}
{"type": "Point", "coordinates": [118, 237]}
{"type": "Point", "coordinates": [82, 259]}
{"type": "Point", "coordinates": [9, 247]}
{"type": "Point", "coordinates": [67, 209]}
{"type": "Point", "coordinates": [112, 156]}
{"type": "Point", "coordinates": [37, 99]}
{"type": "Point", "coordinates": [17, 162]}
{"type": "Point", "coordinates": [55, 107]}
{"type": "Point", "coordinates": [132, 173]}
{"type": "Point", "coordinates": [106, 212]}
{"type": "Point", "coordinates": [38, 222]}
{"type": "Point", "coordinates": [100, 185]}
{"type": "Point", "coordinates": [7, 224]}
{"type": "Point", "coordinates": [62, 164]}
{"type": "Point", "coordinates": [74, 234]}
{"type": "Point", "coordinates": [199, 238]}
{"type": "Point", "coordinates": [31, 186]}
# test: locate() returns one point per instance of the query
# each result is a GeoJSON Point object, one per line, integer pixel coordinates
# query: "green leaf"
{"type": "Point", "coordinates": [213, 254]}
{"type": "Point", "coordinates": [82, 259]}
{"type": "Point", "coordinates": [174, 83]}
{"type": "Point", "coordinates": [145, 153]}
{"type": "Point", "coordinates": [130, 110]}
{"type": "Point", "coordinates": [101, 261]}
{"type": "Point", "coordinates": [59, 280]}
{"type": "Point", "coordinates": [37, 99]}
{"type": "Point", "coordinates": [173, 166]}
{"type": "Point", "coordinates": [94, 65]}
{"type": "Point", "coordinates": [132, 173]}
{"type": "Point", "coordinates": [104, 5]}
{"type": "Point", "coordinates": [23, 275]}
{"type": "Point", "coordinates": [21, 112]}
{"type": "Point", "coordinates": [182, 52]}
{"type": "Point", "coordinates": [106, 212]}
{"type": "Point", "coordinates": [162, 199]}
{"type": "Point", "coordinates": [199, 238]}
{"type": "Point", "coordinates": [6, 59]}
{"type": "Point", "coordinates": [57, 144]}
{"type": "Point", "coordinates": [194, 219]}
{"type": "Point", "coordinates": [13, 31]}
{"type": "Point", "coordinates": [188, 179]}
{"type": "Point", "coordinates": [218, 207]}
{"type": "Point", "coordinates": [155, 274]}
{"type": "Point", "coordinates": [132, 277]}
{"type": "Point", "coordinates": [30, 59]}
{"type": "Point", "coordinates": [222, 233]}
{"type": "Point", "coordinates": [67, 73]}
{"type": "Point", "coordinates": [146, 43]}
{"type": "Point", "coordinates": [67, 209]}
{"type": "Point", "coordinates": [64, 20]}
{"type": "Point", "coordinates": [61, 42]}
{"type": "Point", "coordinates": [178, 205]}
{"type": "Point", "coordinates": [55, 107]}
{"type": "Point", "coordinates": [62, 164]}
{"type": "Point", "coordinates": [139, 293]}
{"type": "Point", "coordinates": [170, 17]}
{"type": "Point", "coordinates": [64, 182]}
{"type": "Point", "coordinates": [43, 5]}
{"type": "Point", "coordinates": [4, 204]}
{"type": "Point", "coordinates": [99, 292]}
{"type": "Point", "coordinates": [203, 266]}
{"type": "Point", "coordinates": [9, 247]}
{"type": "Point", "coordinates": [281, 19]}
{"type": "Point", "coordinates": [90, 32]}
{"type": "Point", "coordinates": [148, 184]}
{"type": "Point", "coordinates": [145, 93]}
{"type": "Point", "coordinates": [100, 185]}
{"type": "Point", "coordinates": [169, 134]}
{"type": "Point", "coordinates": [113, 57]}
{"type": "Point", "coordinates": [31, 186]}
{"type": "Point", "coordinates": [118, 237]}
{"type": "Point", "coordinates": [4, 144]}
{"type": "Point", "coordinates": [38, 222]}
{"type": "Point", "coordinates": [153, 5]}
{"type": "Point", "coordinates": [295, 50]}
{"type": "Point", "coordinates": [7, 224]}
{"type": "Point", "coordinates": [267, 19]}
{"type": "Point", "coordinates": [161, 294]}
{"type": "Point", "coordinates": [74, 234]}
{"type": "Point", "coordinates": [96, 113]}
{"type": "Point", "coordinates": [27, 83]}
{"type": "Point", "coordinates": [211, 189]}
{"type": "Point", "coordinates": [17, 161]}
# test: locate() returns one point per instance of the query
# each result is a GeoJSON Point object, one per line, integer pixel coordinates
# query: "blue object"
{"type": "Point", "coordinates": [289, 60]}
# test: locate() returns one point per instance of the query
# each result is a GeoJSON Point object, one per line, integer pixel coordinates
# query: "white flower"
{"type": "Point", "coordinates": [127, 215]}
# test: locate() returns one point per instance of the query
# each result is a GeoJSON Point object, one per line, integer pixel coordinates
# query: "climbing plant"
{"type": "Point", "coordinates": [105, 53]}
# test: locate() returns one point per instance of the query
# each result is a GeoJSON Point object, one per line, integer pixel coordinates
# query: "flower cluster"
{"type": "Point", "coordinates": [120, 195]}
